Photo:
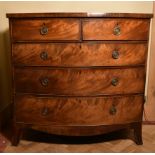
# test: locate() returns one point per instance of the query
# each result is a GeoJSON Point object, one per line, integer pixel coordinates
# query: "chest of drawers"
{"type": "Point", "coordinates": [78, 74]}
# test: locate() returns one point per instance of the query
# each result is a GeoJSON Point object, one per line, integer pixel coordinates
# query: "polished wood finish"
{"type": "Point", "coordinates": [79, 14]}
{"type": "Point", "coordinates": [76, 130]}
{"type": "Point", "coordinates": [102, 29]}
{"type": "Point", "coordinates": [78, 74]}
{"type": "Point", "coordinates": [94, 111]}
{"type": "Point", "coordinates": [79, 82]}
{"type": "Point", "coordinates": [17, 131]}
{"type": "Point", "coordinates": [58, 29]}
{"type": "Point", "coordinates": [79, 54]}
{"type": "Point", "coordinates": [138, 133]}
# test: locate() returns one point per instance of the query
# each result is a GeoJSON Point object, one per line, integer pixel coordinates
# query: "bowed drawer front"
{"type": "Point", "coordinates": [79, 54]}
{"type": "Point", "coordinates": [94, 111]}
{"type": "Point", "coordinates": [78, 74]}
{"type": "Point", "coordinates": [80, 81]}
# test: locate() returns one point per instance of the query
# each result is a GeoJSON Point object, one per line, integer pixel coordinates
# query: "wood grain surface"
{"type": "Point", "coordinates": [78, 111]}
{"type": "Point", "coordinates": [76, 54]}
{"type": "Point", "coordinates": [75, 130]}
{"type": "Point", "coordinates": [58, 29]}
{"type": "Point", "coordinates": [102, 29]}
{"type": "Point", "coordinates": [79, 81]}
{"type": "Point", "coordinates": [67, 79]}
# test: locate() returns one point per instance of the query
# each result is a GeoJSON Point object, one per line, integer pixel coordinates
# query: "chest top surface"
{"type": "Point", "coordinates": [79, 14]}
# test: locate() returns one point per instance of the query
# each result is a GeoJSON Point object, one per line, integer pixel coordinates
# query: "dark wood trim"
{"type": "Point", "coordinates": [17, 130]}
{"type": "Point", "coordinates": [75, 41]}
{"type": "Point", "coordinates": [72, 96]}
{"type": "Point", "coordinates": [81, 36]}
{"type": "Point", "coordinates": [78, 14]}
{"type": "Point", "coordinates": [81, 67]}
{"type": "Point", "coordinates": [86, 41]}
{"type": "Point", "coordinates": [86, 126]}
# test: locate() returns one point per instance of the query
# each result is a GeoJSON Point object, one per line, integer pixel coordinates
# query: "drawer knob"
{"type": "Point", "coordinates": [44, 82]}
{"type": "Point", "coordinates": [113, 110]}
{"type": "Point", "coordinates": [43, 30]}
{"type": "Point", "coordinates": [44, 55]}
{"type": "Point", "coordinates": [114, 81]}
{"type": "Point", "coordinates": [115, 54]}
{"type": "Point", "coordinates": [117, 30]}
{"type": "Point", "coordinates": [44, 111]}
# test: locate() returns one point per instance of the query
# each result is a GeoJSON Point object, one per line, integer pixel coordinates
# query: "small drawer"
{"type": "Point", "coordinates": [45, 29]}
{"type": "Point", "coordinates": [78, 111]}
{"type": "Point", "coordinates": [76, 55]}
{"type": "Point", "coordinates": [116, 29]}
{"type": "Point", "coordinates": [79, 81]}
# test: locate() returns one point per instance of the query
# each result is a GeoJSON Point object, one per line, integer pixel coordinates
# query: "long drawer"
{"type": "Point", "coordinates": [75, 54]}
{"type": "Point", "coordinates": [45, 29]}
{"type": "Point", "coordinates": [78, 111]}
{"type": "Point", "coordinates": [116, 29]}
{"type": "Point", "coordinates": [79, 81]}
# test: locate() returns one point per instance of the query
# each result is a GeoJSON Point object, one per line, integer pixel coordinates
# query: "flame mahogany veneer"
{"type": "Point", "coordinates": [78, 74]}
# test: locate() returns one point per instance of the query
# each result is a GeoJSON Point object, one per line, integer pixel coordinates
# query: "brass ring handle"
{"type": "Point", "coordinates": [113, 110]}
{"type": "Point", "coordinates": [44, 82]}
{"type": "Point", "coordinates": [44, 55]}
{"type": "Point", "coordinates": [114, 81]}
{"type": "Point", "coordinates": [115, 54]}
{"type": "Point", "coordinates": [43, 30]}
{"type": "Point", "coordinates": [117, 30]}
{"type": "Point", "coordinates": [44, 111]}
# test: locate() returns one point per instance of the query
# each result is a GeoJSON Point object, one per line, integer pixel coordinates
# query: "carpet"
{"type": "Point", "coordinates": [3, 143]}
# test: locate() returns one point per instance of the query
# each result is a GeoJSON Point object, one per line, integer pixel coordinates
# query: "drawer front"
{"type": "Point", "coordinates": [80, 81]}
{"type": "Point", "coordinates": [116, 29]}
{"type": "Point", "coordinates": [45, 29]}
{"type": "Point", "coordinates": [79, 111]}
{"type": "Point", "coordinates": [85, 54]}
